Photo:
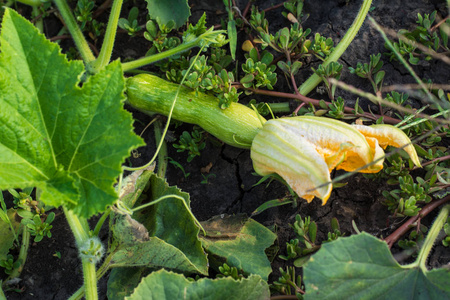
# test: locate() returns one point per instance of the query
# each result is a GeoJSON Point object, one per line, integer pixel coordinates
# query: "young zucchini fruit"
{"type": "Point", "coordinates": [237, 125]}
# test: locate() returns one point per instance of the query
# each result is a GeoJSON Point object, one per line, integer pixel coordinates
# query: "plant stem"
{"type": "Point", "coordinates": [100, 222]}
{"type": "Point", "coordinates": [282, 107]}
{"type": "Point", "coordinates": [80, 229]}
{"type": "Point", "coordinates": [431, 237]}
{"type": "Point", "coordinates": [110, 35]}
{"type": "Point", "coordinates": [156, 57]}
{"type": "Point", "coordinates": [75, 31]}
{"type": "Point", "coordinates": [315, 79]}
{"type": "Point", "coordinates": [39, 23]}
{"type": "Point", "coordinates": [30, 2]}
{"type": "Point", "coordinates": [162, 155]}
{"type": "Point", "coordinates": [100, 273]}
{"type": "Point", "coordinates": [22, 254]}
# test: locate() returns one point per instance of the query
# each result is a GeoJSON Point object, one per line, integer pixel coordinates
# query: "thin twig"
{"type": "Point", "coordinates": [412, 86]}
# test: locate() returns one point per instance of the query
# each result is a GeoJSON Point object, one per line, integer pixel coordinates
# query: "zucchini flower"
{"type": "Point", "coordinates": [303, 150]}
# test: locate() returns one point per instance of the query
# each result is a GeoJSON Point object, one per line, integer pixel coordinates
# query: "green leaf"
{"type": "Point", "coordinates": [170, 221]}
{"type": "Point", "coordinates": [67, 140]}
{"type": "Point", "coordinates": [122, 282]}
{"type": "Point", "coordinates": [6, 235]}
{"type": "Point", "coordinates": [167, 285]}
{"type": "Point", "coordinates": [154, 253]}
{"type": "Point", "coordinates": [239, 241]}
{"type": "Point", "coordinates": [169, 10]}
{"type": "Point", "coordinates": [232, 34]}
{"type": "Point", "coordinates": [362, 267]}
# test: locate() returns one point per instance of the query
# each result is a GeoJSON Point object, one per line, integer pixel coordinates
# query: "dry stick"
{"type": "Point", "coordinates": [105, 5]}
{"type": "Point", "coordinates": [375, 99]}
{"type": "Point", "coordinates": [421, 47]}
{"type": "Point", "coordinates": [439, 159]}
{"type": "Point", "coordinates": [397, 234]}
{"type": "Point", "coordinates": [412, 86]}
{"type": "Point", "coordinates": [315, 102]}
{"type": "Point", "coordinates": [442, 21]}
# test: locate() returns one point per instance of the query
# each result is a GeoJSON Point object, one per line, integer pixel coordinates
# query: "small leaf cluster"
{"type": "Point", "coordinates": [332, 70]}
{"type": "Point", "coordinates": [259, 72]}
{"type": "Point", "coordinates": [192, 142]}
{"type": "Point", "coordinates": [9, 264]}
{"type": "Point", "coordinates": [423, 34]}
{"type": "Point", "coordinates": [305, 242]}
{"type": "Point", "coordinates": [290, 41]}
{"type": "Point", "coordinates": [38, 228]}
{"type": "Point", "coordinates": [289, 283]}
{"type": "Point", "coordinates": [446, 240]}
{"type": "Point", "coordinates": [371, 71]}
{"type": "Point", "coordinates": [131, 23]}
{"type": "Point", "coordinates": [158, 35]}
{"type": "Point", "coordinates": [404, 201]}
{"type": "Point", "coordinates": [83, 14]}
{"type": "Point", "coordinates": [322, 46]}
{"type": "Point", "coordinates": [211, 76]}
{"type": "Point", "coordinates": [413, 243]}
{"type": "Point", "coordinates": [295, 8]}
{"type": "Point", "coordinates": [227, 271]}
{"type": "Point", "coordinates": [335, 109]}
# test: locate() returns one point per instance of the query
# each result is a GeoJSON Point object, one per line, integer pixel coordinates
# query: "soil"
{"type": "Point", "coordinates": [232, 188]}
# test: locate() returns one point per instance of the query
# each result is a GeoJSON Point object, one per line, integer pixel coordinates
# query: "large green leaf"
{"type": "Point", "coordinates": [240, 242]}
{"type": "Point", "coordinates": [67, 140]}
{"type": "Point", "coordinates": [163, 285]}
{"type": "Point", "coordinates": [170, 221]}
{"type": "Point", "coordinates": [362, 267]}
{"type": "Point", "coordinates": [164, 11]}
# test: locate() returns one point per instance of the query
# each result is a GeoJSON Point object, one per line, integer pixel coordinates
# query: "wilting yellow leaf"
{"type": "Point", "coordinates": [291, 18]}
{"type": "Point", "coordinates": [247, 46]}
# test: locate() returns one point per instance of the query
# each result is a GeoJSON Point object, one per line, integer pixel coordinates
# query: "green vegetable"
{"type": "Point", "coordinates": [237, 125]}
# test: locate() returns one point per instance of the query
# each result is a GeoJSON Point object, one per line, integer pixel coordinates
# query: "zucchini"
{"type": "Point", "coordinates": [237, 125]}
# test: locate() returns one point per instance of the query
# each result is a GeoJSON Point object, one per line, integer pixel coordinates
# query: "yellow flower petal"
{"type": "Point", "coordinates": [388, 135]}
{"type": "Point", "coordinates": [278, 148]}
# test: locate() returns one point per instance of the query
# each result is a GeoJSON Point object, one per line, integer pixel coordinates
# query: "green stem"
{"type": "Point", "coordinates": [22, 254]}
{"type": "Point", "coordinates": [431, 237]}
{"type": "Point", "coordinates": [110, 35]}
{"type": "Point", "coordinates": [39, 23]}
{"type": "Point", "coordinates": [162, 155]}
{"type": "Point", "coordinates": [100, 222]}
{"type": "Point", "coordinates": [80, 229]}
{"type": "Point", "coordinates": [282, 107]}
{"type": "Point", "coordinates": [79, 294]}
{"type": "Point", "coordinates": [30, 2]}
{"type": "Point", "coordinates": [75, 31]}
{"type": "Point", "coordinates": [156, 57]}
{"type": "Point", "coordinates": [315, 79]}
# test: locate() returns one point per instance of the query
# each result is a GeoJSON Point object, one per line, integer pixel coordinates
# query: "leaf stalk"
{"type": "Point", "coordinates": [75, 31]}
{"type": "Point", "coordinates": [315, 79]}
